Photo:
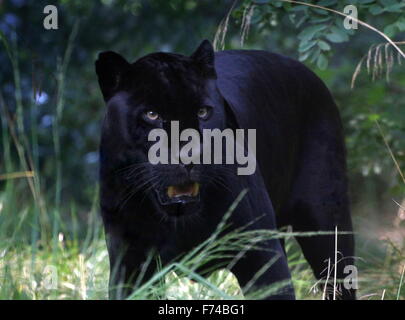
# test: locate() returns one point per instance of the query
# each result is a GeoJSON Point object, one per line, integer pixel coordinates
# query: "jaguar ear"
{"type": "Point", "coordinates": [204, 57]}
{"type": "Point", "coordinates": [110, 67]}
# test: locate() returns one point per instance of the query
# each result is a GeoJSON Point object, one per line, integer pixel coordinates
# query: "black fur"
{"type": "Point", "coordinates": [300, 156]}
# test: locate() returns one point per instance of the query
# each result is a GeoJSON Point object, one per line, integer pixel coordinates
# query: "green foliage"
{"type": "Point", "coordinates": [320, 39]}
{"type": "Point", "coordinates": [319, 29]}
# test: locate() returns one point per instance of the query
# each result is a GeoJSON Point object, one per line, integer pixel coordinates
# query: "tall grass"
{"type": "Point", "coordinates": [43, 254]}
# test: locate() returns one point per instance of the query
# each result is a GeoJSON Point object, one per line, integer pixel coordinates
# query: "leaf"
{"type": "Point", "coordinates": [314, 55]}
{"type": "Point", "coordinates": [333, 37]}
{"type": "Point", "coordinates": [301, 21]}
{"type": "Point", "coordinates": [262, 1]}
{"type": "Point", "coordinates": [374, 117]}
{"type": "Point", "coordinates": [300, 7]}
{"type": "Point", "coordinates": [277, 4]}
{"type": "Point", "coordinates": [321, 19]}
{"type": "Point", "coordinates": [390, 30]}
{"type": "Point", "coordinates": [337, 35]}
{"type": "Point", "coordinates": [292, 17]}
{"type": "Point", "coordinates": [401, 24]}
{"type": "Point", "coordinates": [326, 3]}
{"type": "Point", "coordinates": [323, 45]}
{"type": "Point", "coordinates": [322, 62]}
{"type": "Point", "coordinates": [376, 9]}
{"type": "Point", "coordinates": [322, 12]}
{"type": "Point", "coordinates": [387, 3]}
{"type": "Point", "coordinates": [304, 56]}
{"type": "Point", "coordinates": [305, 46]}
{"type": "Point", "coordinates": [309, 32]}
{"type": "Point", "coordinates": [365, 1]}
{"type": "Point", "coordinates": [395, 7]}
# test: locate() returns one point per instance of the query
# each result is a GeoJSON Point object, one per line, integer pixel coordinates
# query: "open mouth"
{"type": "Point", "coordinates": [190, 189]}
{"type": "Point", "coordinates": [180, 193]}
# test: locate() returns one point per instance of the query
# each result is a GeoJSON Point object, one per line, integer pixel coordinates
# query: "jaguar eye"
{"type": "Point", "coordinates": [152, 115]}
{"type": "Point", "coordinates": [203, 113]}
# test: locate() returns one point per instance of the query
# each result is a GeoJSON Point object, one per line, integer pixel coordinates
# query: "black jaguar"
{"type": "Point", "coordinates": [300, 179]}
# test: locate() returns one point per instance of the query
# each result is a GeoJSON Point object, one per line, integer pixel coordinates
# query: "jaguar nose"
{"type": "Point", "coordinates": [189, 171]}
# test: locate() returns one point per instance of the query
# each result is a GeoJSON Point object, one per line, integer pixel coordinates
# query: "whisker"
{"type": "Point", "coordinates": [131, 166]}
{"type": "Point", "coordinates": [136, 189]}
